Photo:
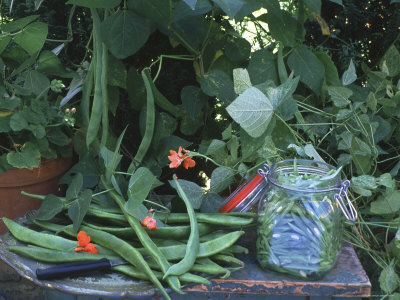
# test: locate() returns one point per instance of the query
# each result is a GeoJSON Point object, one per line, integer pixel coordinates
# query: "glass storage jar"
{"type": "Point", "coordinates": [300, 219]}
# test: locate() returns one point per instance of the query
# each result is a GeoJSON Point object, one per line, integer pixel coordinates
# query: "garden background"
{"type": "Point", "coordinates": [243, 82]}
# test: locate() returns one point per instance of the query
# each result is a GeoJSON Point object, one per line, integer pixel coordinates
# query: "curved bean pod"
{"type": "Point", "coordinates": [192, 247]}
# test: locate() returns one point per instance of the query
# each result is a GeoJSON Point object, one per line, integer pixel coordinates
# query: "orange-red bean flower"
{"type": "Point", "coordinates": [84, 243]}
{"type": "Point", "coordinates": [177, 158]}
{"type": "Point", "coordinates": [149, 222]}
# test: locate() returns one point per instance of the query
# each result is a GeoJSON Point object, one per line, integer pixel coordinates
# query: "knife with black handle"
{"type": "Point", "coordinates": [77, 268]}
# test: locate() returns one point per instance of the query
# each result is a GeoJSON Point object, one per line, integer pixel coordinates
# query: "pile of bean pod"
{"type": "Point", "coordinates": [190, 248]}
{"type": "Point", "coordinates": [298, 233]}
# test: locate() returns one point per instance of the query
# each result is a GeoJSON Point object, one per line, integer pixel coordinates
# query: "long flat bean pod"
{"type": "Point", "coordinates": [126, 251]}
{"type": "Point", "coordinates": [144, 238]}
{"type": "Point", "coordinates": [205, 249]}
{"type": "Point", "coordinates": [172, 232]}
{"type": "Point", "coordinates": [45, 240]}
{"type": "Point", "coordinates": [134, 272]}
{"type": "Point", "coordinates": [211, 218]}
{"type": "Point", "coordinates": [96, 115]}
{"type": "Point", "coordinates": [192, 247]}
{"type": "Point", "coordinates": [202, 265]}
{"type": "Point", "coordinates": [150, 119]}
{"type": "Point", "coordinates": [56, 256]}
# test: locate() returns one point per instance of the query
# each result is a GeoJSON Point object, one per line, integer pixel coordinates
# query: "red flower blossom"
{"type": "Point", "coordinates": [91, 248]}
{"type": "Point", "coordinates": [83, 238]}
{"type": "Point", "coordinates": [188, 163]}
{"type": "Point", "coordinates": [84, 243]}
{"type": "Point", "coordinates": [149, 222]}
{"type": "Point", "coordinates": [177, 158]}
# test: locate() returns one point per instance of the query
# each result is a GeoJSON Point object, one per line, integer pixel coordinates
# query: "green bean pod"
{"type": "Point", "coordinates": [45, 240]}
{"type": "Point", "coordinates": [126, 251]}
{"type": "Point", "coordinates": [56, 256]}
{"type": "Point", "coordinates": [192, 247]}
{"type": "Point", "coordinates": [150, 119]}
{"type": "Point", "coordinates": [228, 259]}
{"type": "Point", "coordinates": [134, 272]}
{"type": "Point", "coordinates": [96, 115]}
{"type": "Point", "coordinates": [144, 238]}
{"type": "Point", "coordinates": [210, 218]}
{"type": "Point", "coordinates": [205, 249]}
{"type": "Point", "coordinates": [172, 232]}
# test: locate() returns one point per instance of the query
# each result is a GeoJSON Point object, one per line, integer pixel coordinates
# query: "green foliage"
{"type": "Point", "coordinates": [32, 125]}
{"type": "Point", "coordinates": [178, 73]}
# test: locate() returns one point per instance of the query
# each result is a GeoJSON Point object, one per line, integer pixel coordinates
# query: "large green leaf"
{"type": "Point", "coordinates": [211, 203]}
{"type": "Point", "coordinates": [50, 207]}
{"type": "Point", "coordinates": [75, 187]}
{"type": "Point", "coordinates": [32, 37]}
{"type": "Point", "coordinates": [183, 9]}
{"type": "Point", "coordinates": [125, 33]}
{"type": "Point", "coordinates": [79, 208]}
{"type": "Point", "coordinates": [349, 76]}
{"type": "Point", "coordinates": [340, 95]}
{"type": "Point", "coordinates": [331, 73]}
{"type": "Point", "coordinates": [140, 184]}
{"type": "Point", "coordinates": [57, 136]}
{"type": "Point", "coordinates": [229, 7]}
{"type": "Point", "coordinates": [4, 41]}
{"type": "Point", "coordinates": [361, 154]}
{"type": "Point", "coordinates": [117, 74]}
{"type": "Point", "coordinates": [252, 110]}
{"type": "Point", "coordinates": [387, 204]}
{"type": "Point", "coordinates": [36, 82]}
{"type": "Point", "coordinates": [280, 94]}
{"type": "Point", "coordinates": [95, 3]}
{"type": "Point", "coordinates": [281, 24]}
{"type": "Point", "coordinates": [27, 157]}
{"type": "Point", "coordinates": [215, 147]}
{"type": "Point", "coordinates": [221, 178]}
{"type": "Point", "coordinates": [392, 61]}
{"type": "Point", "coordinates": [155, 10]}
{"type": "Point", "coordinates": [263, 66]}
{"type": "Point", "coordinates": [164, 127]}
{"type": "Point", "coordinates": [237, 49]}
{"type": "Point", "coordinates": [219, 84]}
{"type": "Point", "coordinates": [389, 281]}
{"type": "Point", "coordinates": [193, 100]}
{"type": "Point", "coordinates": [241, 80]}
{"type": "Point", "coordinates": [190, 32]}
{"type": "Point", "coordinates": [194, 192]}
{"type": "Point", "coordinates": [191, 3]}
{"type": "Point", "coordinates": [18, 24]}
{"type": "Point", "coordinates": [189, 126]}
{"type": "Point", "coordinates": [50, 64]}
{"type": "Point", "coordinates": [304, 63]}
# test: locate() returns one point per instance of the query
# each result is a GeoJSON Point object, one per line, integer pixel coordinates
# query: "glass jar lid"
{"type": "Point", "coordinates": [247, 194]}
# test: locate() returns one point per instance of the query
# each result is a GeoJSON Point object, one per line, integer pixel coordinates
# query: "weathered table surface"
{"type": "Point", "coordinates": [346, 280]}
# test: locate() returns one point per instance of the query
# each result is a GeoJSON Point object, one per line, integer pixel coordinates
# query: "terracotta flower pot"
{"type": "Point", "coordinates": [42, 180]}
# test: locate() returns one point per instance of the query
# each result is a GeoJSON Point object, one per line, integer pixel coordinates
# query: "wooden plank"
{"type": "Point", "coordinates": [346, 279]}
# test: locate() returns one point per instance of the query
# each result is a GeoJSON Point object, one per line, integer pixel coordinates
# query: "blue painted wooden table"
{"type": "Point", "coordinates": [347, 280]}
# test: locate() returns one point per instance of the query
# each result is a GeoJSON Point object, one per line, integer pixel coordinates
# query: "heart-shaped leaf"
{"type": "Point", "coordinates": [252, 110]}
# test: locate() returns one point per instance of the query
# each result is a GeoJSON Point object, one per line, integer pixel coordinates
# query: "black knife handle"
{"type": "Point", "coordinates": [72, 269]}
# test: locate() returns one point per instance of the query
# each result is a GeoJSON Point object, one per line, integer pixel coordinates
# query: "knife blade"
{"type": "Point", "coordinates": [77, 268]}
